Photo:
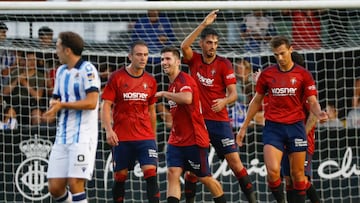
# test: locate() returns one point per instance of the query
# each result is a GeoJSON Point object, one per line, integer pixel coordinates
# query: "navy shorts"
{"type": "Point", "coordinates": [221, 137]}
{"type": "Point", "coordinates": [285, 165]}
{"type": "Point", "coordinates": [190, 158]}
{"type": "Point", "coordinates": [127, 153]}
{"type": "Point", "coordinates": [290, 136]}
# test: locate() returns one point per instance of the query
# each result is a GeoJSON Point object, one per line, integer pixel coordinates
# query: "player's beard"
{"type": "Point", "coordinates": [211, 53]}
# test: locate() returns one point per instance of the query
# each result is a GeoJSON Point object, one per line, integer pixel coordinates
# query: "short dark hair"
{"type": "Point", "coordinates": [298, 58]}
{"type": "Point", "coordinates": [171, 49]}
{"type": "Point", "coordinates": [45, 30]}
{"type": "Point", "coordinates": [3, 26]}
{"type": "Point", "coordinates": [208, 31]}
{"type": "Point", "coordinates": [135, 43]}
{"type": "Point", "coordinates": [277, 41]}
{"type": "Point", "coordinates": [73, 41]}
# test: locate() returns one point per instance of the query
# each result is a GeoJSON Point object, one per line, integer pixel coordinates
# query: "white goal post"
{"type": "Point", "coordinates": [107, 28]}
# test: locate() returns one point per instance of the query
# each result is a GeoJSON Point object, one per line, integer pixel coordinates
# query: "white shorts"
{"type": "Point", "coordinates": [74, 160]}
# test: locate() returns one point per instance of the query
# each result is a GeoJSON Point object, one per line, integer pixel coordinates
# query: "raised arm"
{"type": "Point", "coordinates": [186, 44]}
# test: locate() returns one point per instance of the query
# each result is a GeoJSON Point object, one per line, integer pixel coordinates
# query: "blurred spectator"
{"type": "Point", "coordinates": [46, 37]}
{"type": "Point", "coordinates": [45, 59]}
{"type": "Point", "coordinates": [7, 58]}
{"type": "Point", "coordinates": [105, 70]}
{"type": "Point", "coordinates": [333, 121]}
{"type": "Point", "coordinates": [245, 87]}
{"type": "Point", "coordinates": [353, 117]}
{"type": "Point", "coordinates": [155, 30]}
{"type": "Point", "coordinates": [26, 88]}
{"type": "Point", "coordinates": [3, 30]}
{"type": "Point", "coordinates": [356, 96]}
{"type": "Point", "coordinates": [306, 29]}
{"type": "Point", "coordinates": [257, 30]}
{"type": "Point", "coordinates": [8, 118]}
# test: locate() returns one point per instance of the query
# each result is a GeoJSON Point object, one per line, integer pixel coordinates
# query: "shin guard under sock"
{"type": "Point", "coordinates": [277, 190]}
{"type": "Point", "coordinates": [152, 187]}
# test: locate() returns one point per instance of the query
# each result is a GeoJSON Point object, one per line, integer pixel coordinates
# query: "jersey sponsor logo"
{"type": "Point", "coordinates": [205, 81]}
{"type": "Point", "coordinates": [283, 91]}
{"type": "Point", "coordinates": [30, 176]}
{"type": "Point", "coordinates": [137, 96]}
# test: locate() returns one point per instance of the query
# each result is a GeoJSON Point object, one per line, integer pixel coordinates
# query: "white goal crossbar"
{"type": "Point", "coordinates": [179, 5]}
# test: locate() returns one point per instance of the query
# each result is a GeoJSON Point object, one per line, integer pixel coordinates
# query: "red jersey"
{"type": "Point", "coordinates": [305, 30]}
{"type": "Point", "coordinates": [188, 123]}
{"type": "Point", "coordinates": [286, 91]}
{"type": "Point", "coordinates": [212, 80]}
{"type": "Point", "coordinates": [131, 97]}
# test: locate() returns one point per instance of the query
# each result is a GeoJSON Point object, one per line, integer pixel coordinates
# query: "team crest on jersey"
{"type": "Point", "coordinates": [293, 81]}
{"type": "Point", "coordinates": [145, 86]}
{"type": "Point", "coordinates": [213, 71]}
{"type": "Point", "coordinates": [90, 76]}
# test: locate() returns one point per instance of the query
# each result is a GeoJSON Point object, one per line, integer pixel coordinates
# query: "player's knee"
{"type": "Point", "coordinates": [273, 173]}
{"type": "Point", "coordinates": [297, 175]}
{"type": "Point", "coordinates": [76, 185]}
{"type": "Point", "coordinates": [56, 188]}
{"type": "Point", "coordinates": [190, 177]}
{"type": "Point", "coordinates": [149, 173]}
{"type": "Point", "coordinates": [120, 177]}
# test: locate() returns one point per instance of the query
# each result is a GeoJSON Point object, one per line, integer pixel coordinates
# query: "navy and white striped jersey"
{"type": "Point", "coordinates": [76, 126]}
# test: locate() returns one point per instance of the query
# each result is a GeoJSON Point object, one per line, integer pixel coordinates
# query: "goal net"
{"type": "Point", "coordinates": [325, 33]}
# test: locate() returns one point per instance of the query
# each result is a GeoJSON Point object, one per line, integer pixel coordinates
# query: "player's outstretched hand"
{"type": "Point", "coordinates": [240, 136]}
{"type": "Point", "coordinates": [210, 18]}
